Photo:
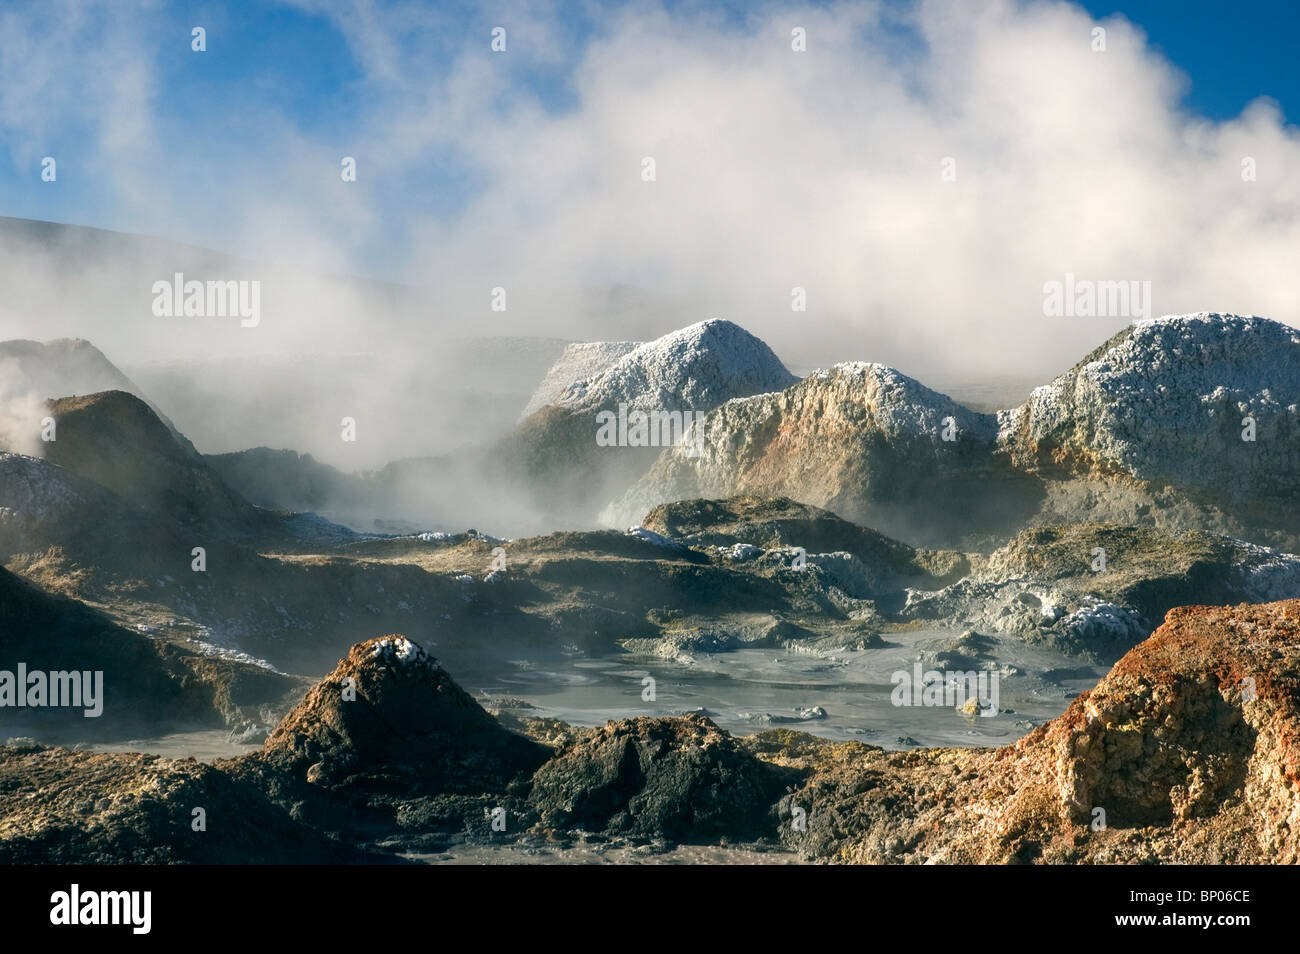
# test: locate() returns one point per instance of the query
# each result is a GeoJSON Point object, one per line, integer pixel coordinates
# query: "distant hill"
{"type": "Point", "coordinates": [114, 439]}
{"type": "Point", "coordinates": [64, 367]}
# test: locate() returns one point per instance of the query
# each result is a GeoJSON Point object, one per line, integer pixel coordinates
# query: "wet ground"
{"type": "Point", "coordinates": [206, 745]}
{"type": "Point", "coordinates": [839, 695]}
{"type": "Point", "coordinates": [843, 695]}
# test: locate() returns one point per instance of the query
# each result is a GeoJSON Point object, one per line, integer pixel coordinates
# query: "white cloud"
{"type": "Point", "coordinates": [822, 170]}
{"type": "Point", "coordinates": [775, 169]}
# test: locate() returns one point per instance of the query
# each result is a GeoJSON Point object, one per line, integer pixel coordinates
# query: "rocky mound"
{"type": "Point", "coordinates": [58, 806]}
{"type": "Point", "coordinates": [581, 362]}
{"type": "Point", "coordinates": [695, 368]}
{"type": "Point", "coordinates": [860, 439]}
{"type": "Point", "coordinates": [114, 439]}
{"type": "Point", "coordinates": [64, 366]}
{"type": "Point", "coordinates": [1167, 402]}
{"type": "Point", "coordinates": [553, 460]}
{"type": "Point", "coordinates": [683, 779]}
{"type": "Point", "coordinates": [389, 709]}
{"type": "Point", "coordinates": [1163, 400]}
{"type": "Point", "coordinates": [149, 686]}
{"type": "Point", "coordinates": [781, 523]}
{"type": "Point", "coordinates": [1187, 752]}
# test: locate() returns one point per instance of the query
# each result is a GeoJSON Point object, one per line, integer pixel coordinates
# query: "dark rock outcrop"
{"type": "Point", "coordinates": [114, 439]}
{"type": "Point", "coordinates": [150, 686]}
{"type": "Point", "coordinates": [681, 779]}
{"type": "Point", "coordinates": [287, 480]}
{"type": "Point", "coordinates": [390, 716]}
{"type": "Point", "coordinates": [58, 806]}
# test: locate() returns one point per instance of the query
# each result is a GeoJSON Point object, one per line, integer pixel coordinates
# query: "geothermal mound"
{"type": "Point", "coordinates": [389, 708]}
{"type": "Point", "coordinates": [682, 779]}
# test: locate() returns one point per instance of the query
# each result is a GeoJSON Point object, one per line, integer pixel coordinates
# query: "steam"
{"type": "Point", "coordinates": [21, 413]}
{"type": "Point", "coordinates": [775, 170]}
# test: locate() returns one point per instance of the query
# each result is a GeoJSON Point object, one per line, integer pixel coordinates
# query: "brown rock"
{"type": "Point", "coordinates": [1190, 747]}
{"type": "Point", "coordinates": [390, 709]}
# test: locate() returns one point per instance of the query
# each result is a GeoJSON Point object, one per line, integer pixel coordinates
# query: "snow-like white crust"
{"type": "Point", "coordinates": [1167, 403]}
{"type": "Point", "coordinates": [695, 368]}
{"type": "Point", "coordinates": [580, 363]}
{"type": "Point", "coordinates": [400, 650]}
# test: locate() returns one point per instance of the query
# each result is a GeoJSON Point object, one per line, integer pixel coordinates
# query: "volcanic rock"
{"type": "Point", "coordinates": [1164, 399]}
{"type": "Point", "coordinates": [1187, 752]}
{"type": "Point", "coordinates": [389, 709]}
{"type": "Point", "coordinates": [1202, 404]}
{"type": "Point", "coordinates": [860, 439]}
{"type": "Point", "coordinates": [59, 806]}
{"type": "Point", "coordinates": [553, 458]}
{"type": "Point", "coordinates": [682, 779]}
{"type": "Point", "coordinates": [1099, 588]}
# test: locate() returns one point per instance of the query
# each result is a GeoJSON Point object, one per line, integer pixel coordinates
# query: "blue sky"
{"type": "Point", "coordinates": [1230, 52]}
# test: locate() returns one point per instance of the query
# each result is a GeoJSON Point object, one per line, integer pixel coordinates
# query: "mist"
{"type": "Point", "coordinates": [21, 412]}
{"type": "Point", "coordinates": [919, 171]}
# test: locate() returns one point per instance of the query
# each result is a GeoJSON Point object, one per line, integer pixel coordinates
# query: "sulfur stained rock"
{"type": "Point", "coordinates": [861, 439]}
{"type": "Point", "coordinates": [1187, 752]}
